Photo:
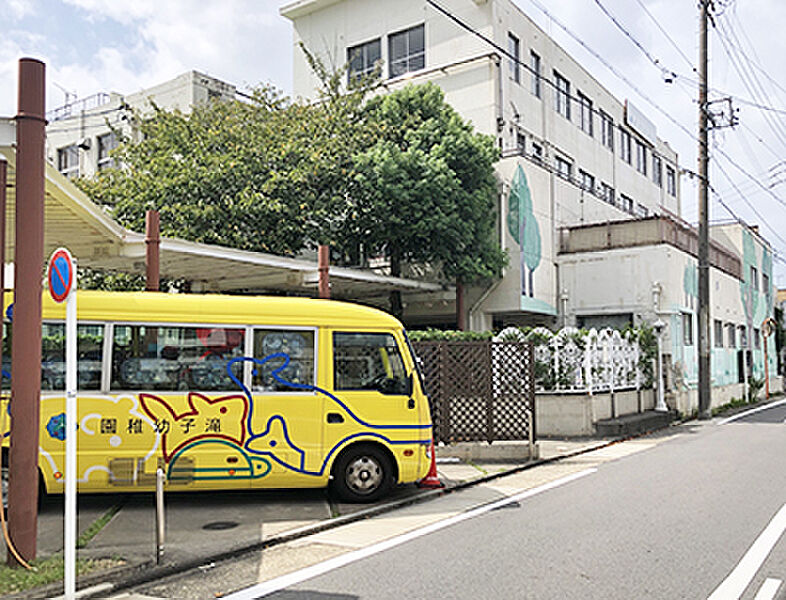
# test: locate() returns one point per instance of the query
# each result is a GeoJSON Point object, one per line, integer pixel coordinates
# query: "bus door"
{"type": "Point", "coordinates": [285, 437]}
{"type": "Point", "coordinates": [372, 389]}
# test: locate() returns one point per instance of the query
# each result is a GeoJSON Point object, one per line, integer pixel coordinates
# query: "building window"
{"type": "Point", "coordinates": [586, 181]}
{"type": "Point", "coordinates": [68, 161]}
{"type": "Point", "coordinates": [718, 334]}
{"type": "Point", "coordinates": [657, 170]}
{"type": "Point", "coordinates": [642, 211]}
{"type": "Point", "coordinates": [756, 339]}
{"type": "Point", "coordinates": [562, 95]}
{"type": "Point", "coordinates": [641, 158]}
{"type": "Point", "coordinates": [731, 335]}
{"type": "Point", "coordinates": [521, 143]}
{"type": "Point", "coordinates": [407, 51]}
{"type": "Point", "coordinates": [607, 130]}
{"type": "Point", "coordinates": [106, 143]}
{"type": "Point", "coordinates": [514, 57]}
{"type": "Point", "coordinates": [537, 152]}
{"type": "Point", "coordinates": [363, 58]}
{"type": "Point", "coordinates": [687, 329]}
{"type": "Point", "coordinates": [754, 278]}
{"type": "Point", "coordinates": [765, 283]}
{"type": "Point", "coordinates": [534, 65]}
{"type": "Point", "coordinates": [625, 146]}
{"type": "Point", "coordinates": [743, 337]}
{"type": "Point", "coordinates": [626, 203]}
{"type": "Point", "coordinates": [671, 181]}
{"type": "Point", "coordinates": [607, 192]}
{"type": "Point", "coordinates": [564, 168]}
{"type": "Point", "coordinates": [585, 114]}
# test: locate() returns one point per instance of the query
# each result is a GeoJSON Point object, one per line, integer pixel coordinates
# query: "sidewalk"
{"type": "Point", "coordinates": [202, 526]}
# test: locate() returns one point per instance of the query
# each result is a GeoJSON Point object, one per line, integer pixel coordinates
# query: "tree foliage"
{"type": "Point", "coordinates": [428, 185]}
{"type": "Point", "coordinates": [399, 175]}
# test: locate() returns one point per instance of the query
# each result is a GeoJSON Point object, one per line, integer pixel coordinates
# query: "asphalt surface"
{"type": "Point", "coordinates": [671, 521]}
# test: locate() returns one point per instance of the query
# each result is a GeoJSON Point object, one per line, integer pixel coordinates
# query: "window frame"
{"type": "Point", "coordinates": [585, 114]}
{"type": "Point", "coordinates": [68, 170]}
{"type": "Point", "coordinates": [407, 373]}
{"type": "Point", "coordinates": [718, 330]}
{"type": "Point", "coordinates": [608, 194]}
{"type": "Point", "coordinates": [671, 181]}
{"type": "Point", "coordinates": [367, 69]}
{"type": "Point", "coordinates": [409, 56]}
{"type": "Point", "coordinates": [514, 50]}
{"type": "Point", "coordinates": [657, 170]}
{"type": "Point", "coordinates": [641, 157]}
{"type": "Point", "coordinates": [105, 161]}
{"type": "Point", "coordinates": [567, 174]}
{"type": "Point", "coordinates": [687, 329]}
{"type": "Point", "coordinates": [561, 95]}
{"type": "Point", "coordinates": [626, 146]}
{"type": "Point", "coordinates": [535, 65]}
{"type": "Point", "coordinates": [586, 181]}
{"type": "Point", "coordinates": [607, 130]}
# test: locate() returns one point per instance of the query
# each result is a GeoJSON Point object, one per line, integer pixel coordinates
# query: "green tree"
{"type": "Point", "coordinates": [428, 188]}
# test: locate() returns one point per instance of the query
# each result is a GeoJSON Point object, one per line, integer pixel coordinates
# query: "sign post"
{"type": "Point", "coordinates": [61, 277]}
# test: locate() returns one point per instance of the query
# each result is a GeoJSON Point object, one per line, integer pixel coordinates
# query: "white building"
{"type": "Point", "coordinates": [81, 134]}
{"type": "Point", "coordinates": [584, 155]}
{"type": "Point", "coordinates": [590, 209]}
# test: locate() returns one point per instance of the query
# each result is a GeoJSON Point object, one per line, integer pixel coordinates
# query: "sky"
{"type": "Point", "coordinates": [94, 46]}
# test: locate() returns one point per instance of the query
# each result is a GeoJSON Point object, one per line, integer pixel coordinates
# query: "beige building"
{"type": "Point", "coordinates": [81, 134]}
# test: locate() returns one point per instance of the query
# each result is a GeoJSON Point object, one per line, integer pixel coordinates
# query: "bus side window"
{"type": "Point", "coordinates": [287, 360]}
{"type": "Point", "coordinates": [174, 358]}
{"type": "Point", "coordinates": [368, 361]}
{"type": "Point", "coordinates": [90, 339]}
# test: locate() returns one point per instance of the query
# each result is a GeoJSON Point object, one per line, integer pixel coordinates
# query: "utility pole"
{"type": "Point", "coordinates": [704, 237]}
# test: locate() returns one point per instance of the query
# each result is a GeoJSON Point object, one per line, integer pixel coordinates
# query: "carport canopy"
{"type": "Point", "coordinates": [73, 221]}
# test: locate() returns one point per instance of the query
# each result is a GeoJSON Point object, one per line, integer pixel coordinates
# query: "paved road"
{"type": "Point", "coordinates": [694, 515]}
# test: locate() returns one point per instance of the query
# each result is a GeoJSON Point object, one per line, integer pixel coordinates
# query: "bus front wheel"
{"type": "Point", "coordinates": [362, 473]}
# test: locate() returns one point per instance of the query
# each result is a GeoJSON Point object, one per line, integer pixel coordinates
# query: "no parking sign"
{"type": "Point", "coordinates": [61, 276]}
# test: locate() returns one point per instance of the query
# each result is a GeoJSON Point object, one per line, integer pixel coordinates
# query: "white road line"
{"type": "Point", "coordinates": [285, 581]}
{"type": "Point", "coordinates": [751, 411]}
{"type": "Point", "coordinates": [768, 589]}
{"type": "Point", "coordinates": [739, 579]}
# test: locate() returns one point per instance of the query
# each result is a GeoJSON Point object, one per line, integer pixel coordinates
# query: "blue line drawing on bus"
{"type": "Point", "coordinates": [257, 439]}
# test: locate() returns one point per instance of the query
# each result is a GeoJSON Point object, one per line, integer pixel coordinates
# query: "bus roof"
{"type": "Point", "coordinates": [156, 307]}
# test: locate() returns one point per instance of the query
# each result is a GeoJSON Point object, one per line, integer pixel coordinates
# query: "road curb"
{"type": "Point", "coordinates": [140, 573]}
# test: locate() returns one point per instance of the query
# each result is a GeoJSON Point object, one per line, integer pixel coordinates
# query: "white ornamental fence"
{"type": "Point", "coordinates": [571, 360]}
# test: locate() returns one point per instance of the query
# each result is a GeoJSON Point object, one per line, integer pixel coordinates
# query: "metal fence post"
{"type": "Point", "coordinates": [160, 521]}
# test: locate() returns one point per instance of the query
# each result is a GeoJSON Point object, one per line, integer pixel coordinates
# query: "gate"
{"type": "Point", "coordinates": [479, 390]}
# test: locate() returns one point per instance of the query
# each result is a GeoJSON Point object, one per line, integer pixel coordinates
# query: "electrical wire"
{"type": "Point", "coordinates": [668, 37]}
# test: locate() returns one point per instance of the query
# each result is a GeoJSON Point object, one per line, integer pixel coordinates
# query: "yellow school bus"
{"type": "Point", "coordinates": [232, 392]}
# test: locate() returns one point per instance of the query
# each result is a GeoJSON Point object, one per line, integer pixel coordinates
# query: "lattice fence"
{"type": "Point", "coordinates": [480, 390]}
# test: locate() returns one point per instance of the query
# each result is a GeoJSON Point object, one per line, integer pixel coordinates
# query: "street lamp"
{"type": "Point", "coordinates": [660, 403]}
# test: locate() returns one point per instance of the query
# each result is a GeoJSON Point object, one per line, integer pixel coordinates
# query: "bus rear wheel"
{"type": "Point", "coordinates": [362, 473]}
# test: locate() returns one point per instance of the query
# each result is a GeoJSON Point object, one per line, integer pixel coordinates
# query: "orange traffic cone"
{"type": "Point", "coordinates": [431, 480]}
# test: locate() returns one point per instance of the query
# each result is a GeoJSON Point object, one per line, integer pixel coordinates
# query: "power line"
{"type": "Point", "coordinates": [668, 37]}
{"type": "Point", "coordinates": [636, 42]}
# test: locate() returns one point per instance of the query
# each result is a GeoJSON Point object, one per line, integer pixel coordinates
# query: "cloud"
{"type": "Point", "coordinates": [18, 9]}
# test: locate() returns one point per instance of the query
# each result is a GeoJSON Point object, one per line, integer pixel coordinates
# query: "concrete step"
{"type": "Point", "coordinates": [649, 420]}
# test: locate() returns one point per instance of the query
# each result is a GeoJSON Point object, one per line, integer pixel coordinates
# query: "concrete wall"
{"type": "Point", "coordinates": [573, 415]}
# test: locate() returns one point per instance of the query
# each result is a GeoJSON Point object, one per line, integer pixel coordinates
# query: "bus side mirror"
{"type": "Point", "coordinates": [410, 384]}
